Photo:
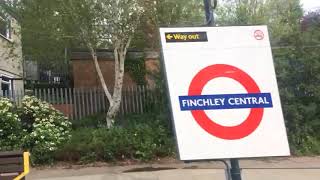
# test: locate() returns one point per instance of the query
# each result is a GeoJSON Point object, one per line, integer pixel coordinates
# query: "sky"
{"type": "Point", "coordinates": [310, 4]}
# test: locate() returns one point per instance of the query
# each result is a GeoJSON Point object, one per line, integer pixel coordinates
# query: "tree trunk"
{"type": "Point", "coordinates": [112, 108]}
{"type": "Point", "coordinates": [121, 43]}
{"type": "Point", "coordinates": [120, 52]}
{"type": "Point", "coordinates": [112, 112]}
{"type": "Point", "coordinates": [100, 75]}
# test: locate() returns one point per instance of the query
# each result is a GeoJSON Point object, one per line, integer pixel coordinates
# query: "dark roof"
{"type": "Point", "coordinates": [85, 55]}
{"type": "Point", "coordinates": [107, 54]}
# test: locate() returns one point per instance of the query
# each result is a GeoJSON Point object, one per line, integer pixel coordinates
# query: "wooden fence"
{"type": "Point", "coordinates": [15, 96]}
{"type": "Point", "coordinates": [77, 103]}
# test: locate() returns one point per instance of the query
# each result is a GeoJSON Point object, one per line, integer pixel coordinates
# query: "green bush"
{"type": "Point", "coordinates": [47, 129]}
{"type": "Point", "coordinates": [94, 121]}
{"type": "Point", "coordinates": [10, 126]}
{"type": "Point", "coordinates": [298, 74]}
{"type": "Point", "coordinates": [35, 126]}
{"type": "Point", "coordinates": [78, 148]}
{"type": "Point", "coordinates": [141, 139]}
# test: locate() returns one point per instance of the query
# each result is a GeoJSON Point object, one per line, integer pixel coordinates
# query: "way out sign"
{"type": "Point", "coordinates": [223, 92]}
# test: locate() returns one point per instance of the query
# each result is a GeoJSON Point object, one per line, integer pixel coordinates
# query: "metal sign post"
{"type": "Point", "coordinates": [235, 169]}
{"type": "Point", "coordinates": [209, 12]}
{"type": "Point", "coordinates": [209, 7]}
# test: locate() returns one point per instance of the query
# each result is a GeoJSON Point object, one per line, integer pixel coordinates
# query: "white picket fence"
{"type": "Point", "coordinates": [15, 96]}
{"type": "Point", "coordinates": [77, 103]}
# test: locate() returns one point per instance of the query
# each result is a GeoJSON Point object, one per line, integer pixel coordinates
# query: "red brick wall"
{"type": "Point", "coordinates": [152, 67]}
{"type": "Point", "coordinates": [85, 75]}
{"type": "Point", "coordinates": [66, 109]}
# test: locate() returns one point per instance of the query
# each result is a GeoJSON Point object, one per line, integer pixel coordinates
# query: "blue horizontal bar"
{"type": "Point", "coordinates": [225, 101]}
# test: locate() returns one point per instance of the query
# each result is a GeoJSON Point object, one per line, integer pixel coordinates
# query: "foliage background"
{"type": "Point", "coordinates": [295, 40]}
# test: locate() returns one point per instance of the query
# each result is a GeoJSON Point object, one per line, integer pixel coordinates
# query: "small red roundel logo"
{"type": "Point", "coordinates": [259, 35]}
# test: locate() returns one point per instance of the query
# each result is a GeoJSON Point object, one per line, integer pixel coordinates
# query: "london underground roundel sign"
{"type": "Point", "coordinates": [235, 132]}
{"type": "Point", "coordinates": [199, 63]}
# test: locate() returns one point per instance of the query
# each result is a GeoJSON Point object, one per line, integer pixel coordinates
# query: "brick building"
{"type": "Point", "coordinates": [11, 69]}
{"type": "Point", "coordinates": [85, 75]}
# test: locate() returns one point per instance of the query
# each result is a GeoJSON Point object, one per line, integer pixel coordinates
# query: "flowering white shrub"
{"type": "Point", "coordinates": [10, 126]}
{"type": "Point", "coordinates": [47, 128]}
{"type": "Point", "coordinates": [35, 126]}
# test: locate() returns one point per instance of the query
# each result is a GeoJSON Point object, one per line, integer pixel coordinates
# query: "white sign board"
{"type": "Point", "coordinates": [223, 92]}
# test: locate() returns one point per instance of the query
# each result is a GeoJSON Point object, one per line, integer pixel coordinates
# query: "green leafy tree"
{"type": "Point", "coordinates": [295, 41]}
{"type": "Point", "coordinates": [42, 37]}
{"type": "Point", "coordinates": [166, 13]}
{"type": "Point", "coordinates": [110, 25]}
{"type": "Point", "coordinates": [89, 24]}
{"type": "Point", "coordinates": [48, 27]}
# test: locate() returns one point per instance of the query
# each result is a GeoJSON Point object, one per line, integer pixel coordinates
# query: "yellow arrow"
{"type": "Point", "coordinates": [169, 36]}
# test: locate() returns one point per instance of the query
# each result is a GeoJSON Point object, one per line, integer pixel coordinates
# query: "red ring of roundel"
{"type": "Point", "coordinates": [225, 132]}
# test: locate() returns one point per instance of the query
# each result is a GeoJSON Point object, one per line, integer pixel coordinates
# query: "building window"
{"type": "Point", "coordinates": [5, 85]}
{"type": "Point", "coordinates": [5, 27]}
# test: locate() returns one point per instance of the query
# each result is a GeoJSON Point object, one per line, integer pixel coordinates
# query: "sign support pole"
{"type": "Point", "coordinates": [235, 169]}
{"type": "Point", "coordinates": [209, 12]}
